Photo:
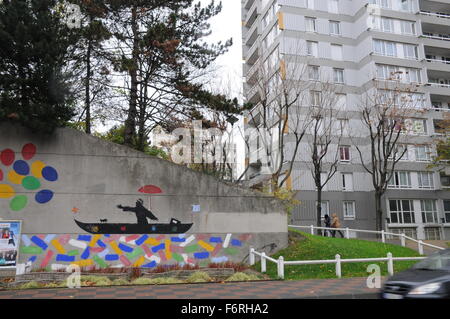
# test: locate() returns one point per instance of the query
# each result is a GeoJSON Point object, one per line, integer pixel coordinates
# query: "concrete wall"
{"type": "Point", "coordinates": [85, 178]}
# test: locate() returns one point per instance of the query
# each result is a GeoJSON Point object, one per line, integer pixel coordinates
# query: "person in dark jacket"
{"type": "Point", "coordinates": [141, 212]}
{"type": "Point", "coordinates": [327, 221]}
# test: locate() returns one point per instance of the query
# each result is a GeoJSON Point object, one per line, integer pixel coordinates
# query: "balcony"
{"type": "Point", "coordinates": [252, 35]}
{"type": "Point", "coordinates": [252, 55]}
{"type": "Point", "coordinates": [252, 15]}
{"type": "Point", "coordinates": [249, 3]}
{"type": "Point", "coordinates": [435, 18]}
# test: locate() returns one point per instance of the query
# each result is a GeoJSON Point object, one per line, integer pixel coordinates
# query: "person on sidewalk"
{"type": "Point", "coordinates": [336, 223]}
{"type": "Point", "coordinates": [327, 221]}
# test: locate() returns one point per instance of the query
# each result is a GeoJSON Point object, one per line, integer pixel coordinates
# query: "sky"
{"type": "Point", "coordinates": [224, 26]}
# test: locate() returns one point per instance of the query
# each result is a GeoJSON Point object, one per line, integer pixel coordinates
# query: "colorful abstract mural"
{"type": "Point", "coordinates": [20, 177]}
{"type": "Point", "coordinates": [102, 251]}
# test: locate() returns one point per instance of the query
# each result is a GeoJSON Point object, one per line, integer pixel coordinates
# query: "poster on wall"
{"type": "Point", "coordinates": [9, 243]}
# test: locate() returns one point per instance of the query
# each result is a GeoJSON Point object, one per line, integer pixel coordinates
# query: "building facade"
{"type": "Point", "coordinates": [357, 43]}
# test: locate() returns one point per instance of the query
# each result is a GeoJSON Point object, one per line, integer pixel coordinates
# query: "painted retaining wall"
{"type": "Point", "coordinates": [49, 182]}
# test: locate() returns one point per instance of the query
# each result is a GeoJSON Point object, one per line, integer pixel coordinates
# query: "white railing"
{"type": "Point", "coordinates": [338, 261]}
{"type": "Point", "coordinates": [439, 15]}
{"type": "Point", "coordinates": [438, 61]}
{"type": "Point", "coordinates": [438, 84]}
{"type": "Point", "coordinates": [436, 37]}
{"type": "Point", "coordinates": [403, 237]}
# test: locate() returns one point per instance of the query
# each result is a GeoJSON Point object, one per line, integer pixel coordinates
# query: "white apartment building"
{"type": "Point", "coordinates": [355, 42]}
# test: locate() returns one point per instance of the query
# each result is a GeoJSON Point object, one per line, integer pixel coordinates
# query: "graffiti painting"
{"type": "Point", "coordinates": [25, 175]}
{"type": "Point", "coordinates": [142, 226]}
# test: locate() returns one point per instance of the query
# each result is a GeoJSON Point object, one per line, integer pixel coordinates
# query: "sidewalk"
{"type": "Point", "coordinates": [324, 288]}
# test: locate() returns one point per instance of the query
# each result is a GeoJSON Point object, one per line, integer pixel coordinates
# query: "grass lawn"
{"type": "Point", "coordinates": [303, 246]}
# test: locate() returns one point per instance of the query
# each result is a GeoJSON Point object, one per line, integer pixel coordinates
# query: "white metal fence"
{"type": "Point", "coordinates": [281, 263]}
{"type": "Point", "coordinates": [382, 233]}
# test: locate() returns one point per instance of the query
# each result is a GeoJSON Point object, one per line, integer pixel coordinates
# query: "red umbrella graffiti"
{"type": "Point", "coordinates": [150, 189]}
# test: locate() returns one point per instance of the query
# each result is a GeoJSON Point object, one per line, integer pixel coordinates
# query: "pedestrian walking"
{"type": "Point", "coordinates": [327, 221]}
{"type": "Point", "coordinates": [336, 223]}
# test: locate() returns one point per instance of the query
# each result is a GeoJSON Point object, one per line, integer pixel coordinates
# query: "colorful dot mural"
{"type": "Point", "coordinates": [101, 251]}
{"type": "Point", "coordinates": [21, 176]}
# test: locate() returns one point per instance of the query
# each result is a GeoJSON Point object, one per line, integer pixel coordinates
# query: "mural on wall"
{"type": "Point", "coordinates": [20, 177]}
{"type": "Point", "coordinates": [142, 225]}
{"type": "Point", "coordinates": [103, 251]}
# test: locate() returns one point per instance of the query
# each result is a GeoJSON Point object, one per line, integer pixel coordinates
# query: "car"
{"type": "Point", "coordinates": [430, 279]}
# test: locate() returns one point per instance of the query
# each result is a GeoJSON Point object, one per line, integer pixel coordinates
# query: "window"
{"type": "Point", "coordinates": [349, 210]}
{"type": "Point", "coordinates": [447, 211]}
{"type": "Point", "coordinates": [445, 180]}
{"type": "Point", "coordinates": [315, 98]}
{"type": "Point", "coordinates": [408, 27]}
{"type": "Point", "coordinates": [310, 24]}
{"type": "Point", "coordinates": [336, 52]}
{"type": "Point", "coordinates": [410, 232]}
{"type": "Point", "coordinates": [335, 27]}
{"type": "Point", "coordinates": [418, 126]}
{"type": "Point", "coordinates": [344, 153]}
{"type": "Point", "coordinates": [429, 211]}
{"type": "Point", "coordinates": [432, 233]}
{"type": "Point", "coordinates": [325, 208]}
{"type": "Point", "coordinates": [314, 72]}
{"type": "Point", "coordinates": [333, 6]}
{"type": "Point", "coordinates": [410, 51]}
{"type": "Point", "coordinates": [310, 4]}
{"type": "Point", "coordinates": [311, 48]}
{"type": "Point", "coordinates": [338, 75]}
{"type": "Point", "coordinates": [423, 153]}
{"type": "Point", "coordinates": [401, 212]}
{"type": "Point", "coordinates": [341, 102]}
{"type": "Point", "coordinates": [347, 182]}
{"type": "Point", "coordinates": [386, 48]}
{"type": "Point", "coordinates": [426, 180]}
{"type": "Point", "coordinates": [382, 3]}
{"type": "Point", "coordinates": [400, 180]}
{"type": "Point", "coordinates": [387, 25]}
{"type": "Point", "coordinates": [400, 151]}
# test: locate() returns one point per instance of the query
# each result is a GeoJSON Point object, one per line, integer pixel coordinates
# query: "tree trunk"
{"type": "Point", "coordinates": [379, 211]}
{"type": "Point", "coordinates": [319, 208]}
{"type": "Point", "coordinates": [130, 123]}
{"type": "Point", "coordinates": [87, 101]}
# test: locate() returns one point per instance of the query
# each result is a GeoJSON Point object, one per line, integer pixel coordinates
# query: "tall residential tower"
{"type": "Point", "coordinates": [359, 43]}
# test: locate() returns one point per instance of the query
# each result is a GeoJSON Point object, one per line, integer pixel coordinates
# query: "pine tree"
{"type": "Point", "coordinates": [34, 42]}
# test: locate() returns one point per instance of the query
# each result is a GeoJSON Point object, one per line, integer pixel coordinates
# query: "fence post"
{"type": "Point", "coordinates": [347, 233]}
{"type": "Point", "coordinates": [312, 229]}
{"type": "Point", "coordinates": [383, 237]}
{"type": "Point", "coordinates": [338, 266]}
{"type": "Point", "coordinates": [252, 256]}
{"type": "Point", "coordinates": [263, 263]}
{"type": "Point", "coordinates": [403, 240]}
{"type": "Point", "coordinates": [390, 264]}
{"type": "Point", "coordinates": [280, 267]}
{"type": "Point", "coordinates": [420, 247]}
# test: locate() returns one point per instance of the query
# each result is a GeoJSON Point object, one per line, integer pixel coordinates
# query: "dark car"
{"type": "Point", "coordinates": [429, 278]}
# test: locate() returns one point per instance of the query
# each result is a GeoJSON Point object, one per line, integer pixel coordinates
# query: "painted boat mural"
{"type": "Point", "coordinates": [174, 227]}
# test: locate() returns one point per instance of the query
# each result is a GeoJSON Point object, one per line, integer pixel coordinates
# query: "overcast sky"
{"type": "Point", "coordinates": [224, 26]}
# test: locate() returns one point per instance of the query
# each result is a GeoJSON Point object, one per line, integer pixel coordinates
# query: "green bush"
{"type": "Point", "coordinates": [142, 281]}
{"type": "Point", "coordinates": [240, 276]}
{"type": "Point", "coordinates": [30, 285]}
{"type": "Point", "coordinates": [120, 282]}
{"type": "Point", "coordinates": [199, 276]}
{"type": "Point", "coordinates": [97, 280]}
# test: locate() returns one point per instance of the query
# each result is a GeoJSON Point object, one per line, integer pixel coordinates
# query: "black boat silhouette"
{"type": "Point", "coordinates": [174, 227]}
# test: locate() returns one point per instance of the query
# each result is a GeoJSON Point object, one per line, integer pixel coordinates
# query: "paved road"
{"type": "Point", "coordinates": [348, 288]}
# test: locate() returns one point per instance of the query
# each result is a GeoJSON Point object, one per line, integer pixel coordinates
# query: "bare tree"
{"type": "Point", "coordinates": [279, 125]}
{"type": "Point", "coordinates": [325, 138]}
{"type": "Point", "coordinates": [387, 112]}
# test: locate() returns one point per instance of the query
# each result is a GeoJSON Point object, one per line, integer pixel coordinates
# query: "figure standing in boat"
{"type": "Point", "coordinates": [141, 212]}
